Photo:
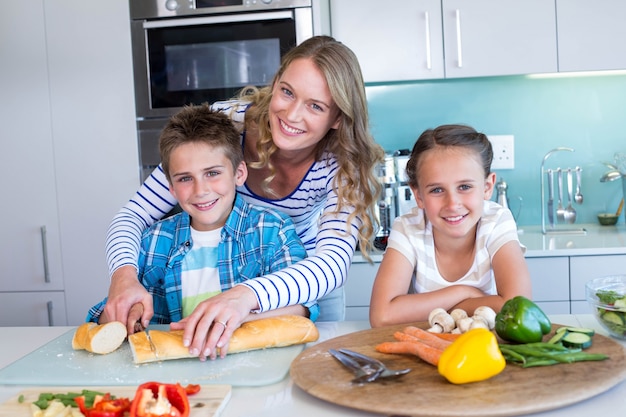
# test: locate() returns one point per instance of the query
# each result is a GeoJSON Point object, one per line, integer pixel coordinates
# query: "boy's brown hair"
{"type": "Point", "coordinates": [200, 124]}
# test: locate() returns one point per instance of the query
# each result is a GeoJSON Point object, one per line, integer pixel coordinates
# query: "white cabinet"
{"type": "Point", "coordinates": [585, 268]}
{"type": "Point", "coordinates": [31, 256]}
{"type": "Point", "coordinates": [69, 157]}
{"type": "Point", "coordinates": [499, 37]}
{"type": "Point", "coordinates": [591, 34]}
{"type": "Point", "coordinates": [39, 308]}
{"type": "Point", "coordinates": [359, 290]}
{"type": "Point", "coordinates": [395, 40]}
{"type": "Point", "coordinates": [402, 40]}
{"type": "Point", "coordinates": [93, 125]}
{"type": "Point", "coordinates": [550, 283]}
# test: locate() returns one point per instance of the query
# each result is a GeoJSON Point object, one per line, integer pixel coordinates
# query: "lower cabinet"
{"type": "Point", "coordinates": [585, 268]}
{"type": "Point", "coordinates": [39, 308]}
{"type": "Point", "coordinates": [550, 283]}
{"type": "Point", "coordinates": [359, 290]}
{"type": "Point", "coordinates": [558, 282]}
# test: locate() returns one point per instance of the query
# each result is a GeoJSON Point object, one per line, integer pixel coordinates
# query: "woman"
{"type": "Point", "coordinates": [309, 154]}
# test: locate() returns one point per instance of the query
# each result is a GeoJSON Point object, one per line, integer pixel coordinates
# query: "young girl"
{"type": "Point", "coordinates": [456, 249]}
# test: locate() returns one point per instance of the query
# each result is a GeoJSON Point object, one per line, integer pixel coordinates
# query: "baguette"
{"type": "Point", "coordinates": [99, 338]}
{"type": "Point", "coordinates": [265, 333]}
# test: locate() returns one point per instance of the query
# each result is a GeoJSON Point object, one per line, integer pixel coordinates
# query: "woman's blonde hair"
{"type": "Point", "coordinates": [351, 143]}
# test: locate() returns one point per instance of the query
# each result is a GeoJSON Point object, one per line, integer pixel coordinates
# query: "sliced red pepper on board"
{"type": "Point", "coordinates": [154, 399]}
{"type": "Point", "coordinates": [192, 389]}
{"type": "Point", "coordinates": [104, 406]}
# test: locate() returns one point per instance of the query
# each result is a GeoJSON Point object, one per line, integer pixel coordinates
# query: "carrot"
{"type": "Point", "coordinates": [423, 351]}
{"type": "Point", "coordinates": [427, 337]}
{"type": "Point", "coordinates": [448, 336]}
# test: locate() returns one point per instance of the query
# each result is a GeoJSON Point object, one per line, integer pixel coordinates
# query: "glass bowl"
{"type": "Point", "coordinates": [607, 297]}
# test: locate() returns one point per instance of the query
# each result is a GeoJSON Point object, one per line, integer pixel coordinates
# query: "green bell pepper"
{"type": "Point", "coordinates": [522, 321]}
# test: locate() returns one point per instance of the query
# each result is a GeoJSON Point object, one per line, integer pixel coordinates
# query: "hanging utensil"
{"type": "Point", "coordinates": [619, 209]}
{"type": "Point", "coordinates": [560, 210]}
{"type": "Point", "coordinates": [578, 197]}
{"type": "Point", "coordinates": [570, 212]}
{"type": "Point", "coordinates": [551, 197]}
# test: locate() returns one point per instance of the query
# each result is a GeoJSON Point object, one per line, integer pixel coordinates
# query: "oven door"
{"type": "Point", "coordinates": [192, 60]}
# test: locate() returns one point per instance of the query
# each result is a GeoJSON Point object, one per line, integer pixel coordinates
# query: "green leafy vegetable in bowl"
{"type": "Point", "coordinates": [612, 314]}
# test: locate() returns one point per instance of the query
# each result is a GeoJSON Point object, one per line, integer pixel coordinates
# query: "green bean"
{"type": "Point", "coordinates": [543, 354]}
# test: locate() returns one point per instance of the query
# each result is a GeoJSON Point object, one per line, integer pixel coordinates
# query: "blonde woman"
{"type": "Point", "coordinates": [309, 153]}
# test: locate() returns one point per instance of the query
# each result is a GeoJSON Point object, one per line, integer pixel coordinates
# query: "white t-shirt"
{"type": "Point", "coordinates": [412, 236]}
{"type": "Point", "coordinates": [200, 277]}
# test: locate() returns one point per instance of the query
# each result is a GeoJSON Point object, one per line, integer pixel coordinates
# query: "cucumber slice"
{"type": "Point", "coordinates": [576, 340]}
{"type": "Point", "coordinates": [558, 336]}
{"type": "Point", "coordinates": [613, 317]}
{"type": "Point", "coordinates": [584, 330]}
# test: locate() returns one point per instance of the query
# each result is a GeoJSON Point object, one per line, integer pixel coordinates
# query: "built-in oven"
{"type": "Point", "coordinates": [196, 51]}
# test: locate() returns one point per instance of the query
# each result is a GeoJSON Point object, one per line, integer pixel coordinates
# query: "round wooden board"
{"type": "Point", "coordinates": [424, 393]}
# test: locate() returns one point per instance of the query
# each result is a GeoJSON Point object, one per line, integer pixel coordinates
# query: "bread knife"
{"type": "Point", "coordinates": [138, 328]}
{"type": "Point", "coordinates": [551, 197]}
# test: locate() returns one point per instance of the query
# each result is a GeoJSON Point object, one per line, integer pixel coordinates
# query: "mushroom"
{"type": "Point", "coordinates": [488, 314]}
{"type": "Point", "coordinates": [479, 322]}
{"type": "Point", "coordinates": [464, 324]}
{"type": "Point", "coordinates": [458, 314]}
{"type": "Point", "coordinates": [441, 322]}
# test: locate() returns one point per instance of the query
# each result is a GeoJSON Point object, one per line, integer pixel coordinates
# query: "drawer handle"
{"type": "Point", "coordinates": [44, 246]}
{"type": "Point", "coordinates": [50, 318]}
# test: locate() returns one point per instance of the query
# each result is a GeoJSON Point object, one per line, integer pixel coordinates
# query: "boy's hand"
{"type": "Point", "coordinates": [213, 322]}
{"type": "Point", "coordinates": [125, 292]}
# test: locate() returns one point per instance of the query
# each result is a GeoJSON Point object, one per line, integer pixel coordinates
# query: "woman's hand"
{"type": "Point", "coordinates": [213, 322]}
{"type": "Point", "coordinates": [126, 291]}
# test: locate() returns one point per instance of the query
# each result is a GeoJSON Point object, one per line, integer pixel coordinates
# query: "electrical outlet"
{"type": "Point", "coordinates": [503, 151]}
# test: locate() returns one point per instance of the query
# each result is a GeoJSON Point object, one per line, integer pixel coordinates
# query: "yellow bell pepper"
{"type": "Point", "coordinates": [474, 356]}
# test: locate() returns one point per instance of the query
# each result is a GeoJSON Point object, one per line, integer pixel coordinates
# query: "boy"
{"type": "Point", "coordinates": [218, 240]}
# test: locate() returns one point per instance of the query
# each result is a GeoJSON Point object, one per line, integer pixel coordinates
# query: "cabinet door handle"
{"type": "Point", "coordinates": [50, 318]}
{"type": "Point", "coordinates": [429, 65]}
{"type": "Point", "coordinates": [44, 246]}
{"type": "Point", "coordinates": [459, 48]}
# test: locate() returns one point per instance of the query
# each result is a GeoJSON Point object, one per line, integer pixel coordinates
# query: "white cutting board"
{"type": "Point", "coordinates": [209, 402]}
{"type": "Point", "coordinates": [56, 363]}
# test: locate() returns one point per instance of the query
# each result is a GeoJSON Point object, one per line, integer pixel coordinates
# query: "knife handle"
{"type": "Point", "coordinates": [550, 184]}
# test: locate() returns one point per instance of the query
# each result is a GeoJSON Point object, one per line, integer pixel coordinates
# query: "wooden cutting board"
{"type": "Point", "coordinates": [423, 392]}
{"type": "Point", "coordinates": [209, 402]}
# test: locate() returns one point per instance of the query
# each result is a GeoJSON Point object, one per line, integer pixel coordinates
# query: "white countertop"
{"type": "Point", "coordinates": [284, 399]}
{"type": "Point", "coordinates": [596, 240]}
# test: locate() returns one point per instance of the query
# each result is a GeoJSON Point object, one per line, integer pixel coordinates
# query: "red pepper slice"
{"type": "Point", "coordinates": [192, 389]}
{"type": "Point", "coordinates": [151, 392]}
{"type": "Point", "coordinates": [104, 407]}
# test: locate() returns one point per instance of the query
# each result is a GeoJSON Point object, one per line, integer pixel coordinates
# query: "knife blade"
{"type": "Point", "coordinates": [551, 197]}
{"type": "Point", "coordinates": [138, 328]}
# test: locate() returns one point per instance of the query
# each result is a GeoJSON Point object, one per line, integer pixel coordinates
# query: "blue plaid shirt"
{"type": "Point", "coordinates": [254, 241]}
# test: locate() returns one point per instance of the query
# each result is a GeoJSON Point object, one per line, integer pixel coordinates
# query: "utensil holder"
{"type": "Point", "coordinates": [554, 228]}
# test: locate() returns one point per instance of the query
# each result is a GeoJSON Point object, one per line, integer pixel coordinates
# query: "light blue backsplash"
{"type": "Point", "coordinates": [586, 113]}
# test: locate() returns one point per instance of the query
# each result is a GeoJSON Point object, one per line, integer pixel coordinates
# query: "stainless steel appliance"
{"type": "Point", "coordinates": [196, 51]}
{"type": "Point", "coordinates": [386, 208]}
{"type": "Point", "coordinates": [405, 198]}
{"type": "Point", "coordinates": [396, 198]}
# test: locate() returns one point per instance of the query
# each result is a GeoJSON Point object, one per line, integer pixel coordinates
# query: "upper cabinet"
{"type": "Point", "coordinates": [591, 35]}
{"type": "Point", "coordinates": [395, 40]}
{"type": "Point", "coordinates": [401, 40]}
{"type": "Point", "coordinates": [498, 37]}
{"type": "Point", "coordinates": [433, 39]}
